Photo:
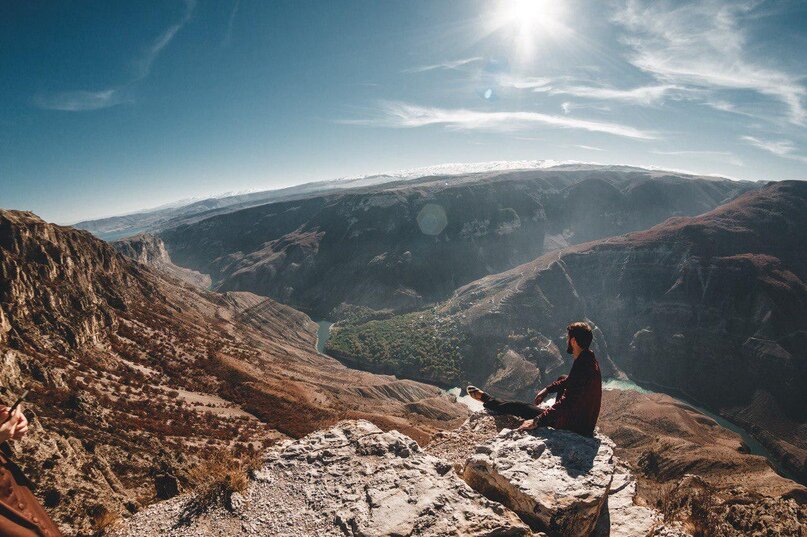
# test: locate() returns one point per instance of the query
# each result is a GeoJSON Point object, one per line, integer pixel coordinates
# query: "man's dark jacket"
{"type": "Point", "coordinates": [577, 404]}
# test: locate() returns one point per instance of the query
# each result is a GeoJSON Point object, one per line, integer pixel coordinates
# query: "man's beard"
{"type": "Point", "coordinates": [569, 349]}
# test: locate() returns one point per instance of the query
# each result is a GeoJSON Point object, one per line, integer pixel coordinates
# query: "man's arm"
{"type": "Point", "coordinates": [555, 387]}
{"type": "Point", "coordinates": [558, 385]}
{"type": "Point", "coordinates": [574, 387]}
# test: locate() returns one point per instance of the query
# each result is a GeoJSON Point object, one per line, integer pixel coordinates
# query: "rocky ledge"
{"type": "Point", "coordinates": [354, 479]}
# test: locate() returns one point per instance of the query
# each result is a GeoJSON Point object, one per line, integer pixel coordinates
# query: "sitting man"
{"type": "Point", "coordinates": [578, 395]}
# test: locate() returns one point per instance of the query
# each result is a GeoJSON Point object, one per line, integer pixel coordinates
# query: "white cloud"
{"type": "Point", "coordinates": [781, 148]}
{"type": "Point", "coordinates": [534, 83]}
{"type": "Point", "coordinates": [702, 44]}
{"type": "Point", "coordinates": [777, 147]}
{"type": "Point", "coordinates": [145, 62]}
{"type": "Point", "coordinates": [403, 115]}
{"type": "Point", "coordinates": [644, 95]}
{"type": "Point", "coordinates": [83, 100]}
{"type": "Point", "coordinates": [447, 65]}
{"type": "Point", "coordinates": [79, 101]}
{"type": "Point", "coordinates": [588, 147]}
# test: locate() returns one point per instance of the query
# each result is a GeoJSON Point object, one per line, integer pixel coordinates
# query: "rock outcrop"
{"type": "Point", "coordinates": [556, 480]}
{"type": "Point", "coordinates": [354, 479]}
{"type": "Point", "coordinates": [150, 250]}
{"type": "Point", "coordinates": [548, 481]}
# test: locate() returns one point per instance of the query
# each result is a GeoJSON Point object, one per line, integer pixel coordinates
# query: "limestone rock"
{"type": "Point", "coordinates": [556, 480]}
{"type": "Point", "coordinates": [622, 517]}
{"type": "Point", "coordinates": [352, 479]}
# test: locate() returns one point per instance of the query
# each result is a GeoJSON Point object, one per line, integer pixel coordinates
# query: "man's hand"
{"type": "Point", "coordinates": [14, 427]}
{"type": "Point", "coordinates": [539, 397]}
{"type": "Point", "coordinates": [528, 425]}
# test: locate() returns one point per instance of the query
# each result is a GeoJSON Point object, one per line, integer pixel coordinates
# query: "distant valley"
{"type": "Point", "coordinates": [403, 245]}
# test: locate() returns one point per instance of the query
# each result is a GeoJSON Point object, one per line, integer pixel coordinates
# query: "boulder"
{"type": "Point", "coordinates": [557, 481]}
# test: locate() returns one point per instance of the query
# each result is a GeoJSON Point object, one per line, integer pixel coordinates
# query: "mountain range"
{"type": "Point", "coordinates": [406, 244]}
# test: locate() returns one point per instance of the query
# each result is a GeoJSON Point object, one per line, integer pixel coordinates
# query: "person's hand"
{"type": "Point", "coordinates": [528, 425]}
{"type": "Point", "coordinates": [22, 424]}
{"type": "Point", "coordinates": [13, 427]}
{"type": "Point", "coordinates": [539, 397]}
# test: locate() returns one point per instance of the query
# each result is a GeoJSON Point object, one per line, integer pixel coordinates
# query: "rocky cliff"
{"type": "Point", "coordinates": [354, 479]}
{"type": "Point", "coordinates": [713, 307]}
{"type": "Point", "coordinates": [134, 376]}
{"type": "Point", "coordinates": [404, 245]}
{"type": "Point", "coordinates": [150, 250]}
{"type": "Point", "coordinates": [693, 470]}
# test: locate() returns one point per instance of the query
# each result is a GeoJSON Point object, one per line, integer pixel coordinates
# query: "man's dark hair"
{"type": "Point", "coordinates": [581, 332]}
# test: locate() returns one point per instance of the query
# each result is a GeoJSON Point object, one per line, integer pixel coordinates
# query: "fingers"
{"type": "Point", "coordinates": [13, 429]}
{"type": "Point", "coordinates": [22, 427]}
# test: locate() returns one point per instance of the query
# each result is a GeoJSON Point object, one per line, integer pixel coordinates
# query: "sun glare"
{"type": "Point", "coordinates": [529, 21]}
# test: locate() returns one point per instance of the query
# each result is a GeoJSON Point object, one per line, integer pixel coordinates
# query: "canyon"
{"type": "Point", "coordinates": [710, 307]}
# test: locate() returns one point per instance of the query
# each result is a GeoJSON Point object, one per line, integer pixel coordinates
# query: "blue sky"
{"type": "Point", "coordinates": [109, 107]}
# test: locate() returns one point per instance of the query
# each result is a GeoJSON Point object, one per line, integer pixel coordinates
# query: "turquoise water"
{"type": "Point", "coordinates": [754, 446]}
{"type": "Point", "coordinates": [323, 333]}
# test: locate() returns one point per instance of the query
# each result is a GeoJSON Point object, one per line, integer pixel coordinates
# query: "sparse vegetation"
{"type": "Point", "coordinates": [418, 345]}
{"type": "Point", "coordinates": [220, 475]}
{"type": "Point", "coordinates": [105, 522]}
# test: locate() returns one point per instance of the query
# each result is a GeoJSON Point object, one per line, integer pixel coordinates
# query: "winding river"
{"type": "Point", "coordinates": [323, 333]}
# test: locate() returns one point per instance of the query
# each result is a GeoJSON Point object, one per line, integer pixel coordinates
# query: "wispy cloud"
{"type": "Point", "coordinates": [153, 51]}
{"type": "Point", "coordinates": [84, 100]}
{"type": "Point", "coordinates": [777, 147]}
{"type": "Point", "coordinates": [644, 95]}
{"type": "Point", "coordinates": [403, 115]}
{"type": "Point", "coordinates": [702, 44]}
{"type": "Point", "coordinates": [79, 101]}
{"type": "Point", "coordinates": [780, 148]}
{"type": "Point", "coordinates": [228, 35]}
{"type": "Point", "coordinates": [534, 83]}
{"type": "Point", "coordinates": [588, 147]}
{"type": "Point", "coordinates": [447, 65]}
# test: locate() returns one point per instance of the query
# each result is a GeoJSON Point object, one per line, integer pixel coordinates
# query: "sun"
{"type": "Point", "coordinates": [526, 11]}
{"type": "Point", "coordinates": [527, 22]}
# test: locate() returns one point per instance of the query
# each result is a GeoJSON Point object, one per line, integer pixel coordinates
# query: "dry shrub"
{"type": "Point", "coordinates": [105, 522]}
{"type": "Point", "coordinates": [219, 475]}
